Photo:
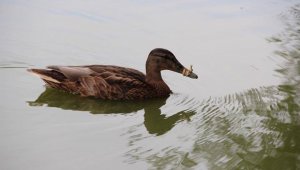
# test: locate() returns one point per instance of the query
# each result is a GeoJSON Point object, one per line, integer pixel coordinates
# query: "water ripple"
{"type": "Point", "coordinates": [13, 64]}
{"type": "Point", "coordinates": [229, 131]}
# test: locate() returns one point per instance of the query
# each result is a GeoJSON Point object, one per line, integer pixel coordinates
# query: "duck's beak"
{"type": "Point", "coordinates": [189, 73]}
{"type": "Point", "coordinates": [193, 76]}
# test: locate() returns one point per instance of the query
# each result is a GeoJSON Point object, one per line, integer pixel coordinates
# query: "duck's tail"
{"type": "Point", "coordinates": [48, 75]}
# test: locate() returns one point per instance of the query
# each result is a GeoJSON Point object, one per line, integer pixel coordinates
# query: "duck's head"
{"type": "Point", "coordinates": [162, 59]}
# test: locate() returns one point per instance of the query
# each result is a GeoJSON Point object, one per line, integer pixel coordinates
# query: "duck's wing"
{"type": "Point", "coordinates": [129, 82]}
{"type": "Point", "coordinates": [75, 72]}
{"type": "Point", "coordinates": [106, 82]}
{"type": "Point", "coordinates": [72, 73]}
{"type": "Point", "coordinates": [107, 70]}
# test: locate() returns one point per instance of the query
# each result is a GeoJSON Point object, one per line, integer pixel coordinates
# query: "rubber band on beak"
{"type": "Point", "coordinates": [187, 72]}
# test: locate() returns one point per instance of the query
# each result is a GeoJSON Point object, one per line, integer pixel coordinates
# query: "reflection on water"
{"type": "Point", "coordinates": [155, 121]}
{"type": "Point", "coordinates": [235, 131]}
{"type": "Point", "coordinates": [256, 129]}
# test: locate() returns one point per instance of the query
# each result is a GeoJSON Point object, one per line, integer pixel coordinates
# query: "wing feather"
{"type": "Point", "coordinates": [105, 82]}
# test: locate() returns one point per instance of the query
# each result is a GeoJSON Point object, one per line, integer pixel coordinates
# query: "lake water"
{"type": "Point", "coordinates": [242, 113]}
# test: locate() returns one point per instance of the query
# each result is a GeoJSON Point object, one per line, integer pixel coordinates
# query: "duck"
{"type": "Point", "coordinates": [110, 82]}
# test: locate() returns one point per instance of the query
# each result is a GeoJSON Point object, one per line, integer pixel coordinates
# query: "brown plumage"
{"type": "Point", "coordinates": [114, 82]}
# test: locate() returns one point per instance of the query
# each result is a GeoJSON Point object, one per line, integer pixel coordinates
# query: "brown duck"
{"type": "Point", "coordinates": [113, 82]}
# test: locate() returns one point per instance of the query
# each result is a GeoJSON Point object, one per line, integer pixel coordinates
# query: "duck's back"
{"type": "Point", "coordinates": [100, 81]}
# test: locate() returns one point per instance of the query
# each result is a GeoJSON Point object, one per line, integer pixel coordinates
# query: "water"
{"type": "Point", "coordinates": [242, 112]}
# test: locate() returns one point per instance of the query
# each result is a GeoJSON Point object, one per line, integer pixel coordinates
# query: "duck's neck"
{"type": "Point", "coordinates": [153, 77]}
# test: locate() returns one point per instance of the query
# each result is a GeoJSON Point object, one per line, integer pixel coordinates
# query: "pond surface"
{"type": "Point", "coordinates": [242, 113]}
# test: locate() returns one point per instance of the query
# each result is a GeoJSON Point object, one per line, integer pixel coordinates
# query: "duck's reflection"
{"type": "Point", "coordinates": [155, 122]}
